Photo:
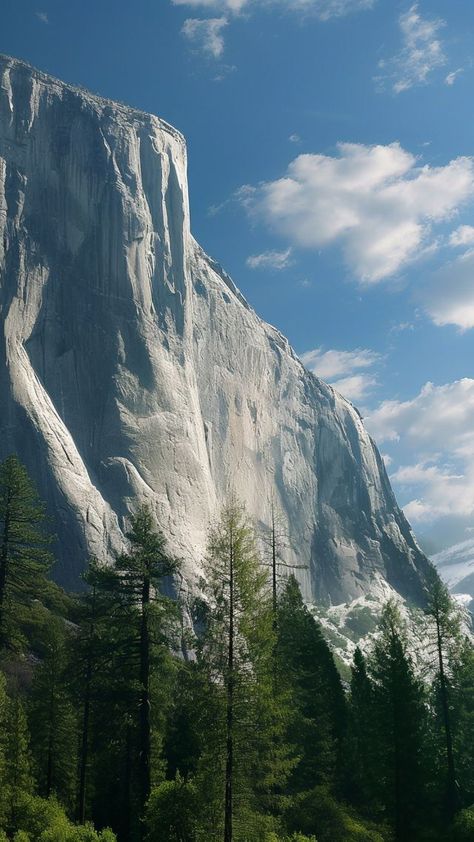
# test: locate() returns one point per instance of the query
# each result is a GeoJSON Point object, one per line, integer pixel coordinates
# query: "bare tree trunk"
{"type": "Point", "coordinates": [145, 726]}
{"type": "Point", "coordinates": [229, 770]}
{"type": "Point", "coordinates": [451, 794]}
{"type": "Point", "coordinates": [4, 564]}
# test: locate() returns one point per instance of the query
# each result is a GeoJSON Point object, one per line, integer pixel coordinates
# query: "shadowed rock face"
{"type": "Point", "coordinates": [132, 368]}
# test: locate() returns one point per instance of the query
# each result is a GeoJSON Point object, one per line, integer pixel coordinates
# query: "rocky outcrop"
{"type": "Point", "coordinates": [131, 368]}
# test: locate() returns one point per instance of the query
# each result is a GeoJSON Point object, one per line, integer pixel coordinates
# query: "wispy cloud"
{"type": "Point", "coordinates": [207, 32]}
{"type": "Point", "coordinates": [323, 9]}
{"type": "Point", "coordinates": [375, 202]}
{"type": "Point", "coordinates": [451, 77]}
{"type": "Point", "coordinates": [347, 371]}
{"type": "Point", "coordinates": [421, 53]}
{"type": "Point", "coordinates": [42, 16]}
{"type": "Point", "coordinates": [206, 35]}
{"type": "Point", "coordinates": [270, 260]}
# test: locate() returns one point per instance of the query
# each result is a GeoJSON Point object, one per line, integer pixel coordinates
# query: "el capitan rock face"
{"type": "Point", "coordinates": [132, 368]}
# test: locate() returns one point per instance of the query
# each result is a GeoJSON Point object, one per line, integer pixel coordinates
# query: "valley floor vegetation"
{"type": "Point", "coordinates": [128, 714]}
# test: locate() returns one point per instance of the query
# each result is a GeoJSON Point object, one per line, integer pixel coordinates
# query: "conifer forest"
{"type": "Point", "coordinates": [139, 711]}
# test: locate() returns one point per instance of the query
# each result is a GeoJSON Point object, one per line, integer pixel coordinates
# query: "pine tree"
{"type": "Point", "coordinates": [319, 707]}
{"type": "Point", "coordinates": [142, 573]}
{"type": "Point", "coordinates": [446, 634]}
{"type": "Point", "coordinates": [17, 761]}
{"type": "Point", "coordinates": [245, 749]}
{"type": "Point", "coordinates": [24, 557]}
{"type": "Point", "coordinates": [53, 723]}
{"type": "Point", "coordinates": [462, 716]}
{"type": "Point", "coordinates": [124, 662]}
{"type": "Point", "coordinates": [362, 740]}
{"type": "Point", "coordinates": [90, 661]}
{"type": "Point", "coordinates": [401, 717]}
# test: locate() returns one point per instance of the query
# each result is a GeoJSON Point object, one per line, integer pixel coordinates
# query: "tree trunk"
{"type": "Point", "coordinates": [4, 564]}
{"type": "Point", "coordinates": [229, 769]}
{"type": "Point", "coordinates": [451, 793]}
{"type": "Point", "coordinates": [84, 750]}
{"type": "Point", "coordinates": [274, 568]}
{"type": "Point", "coordinates": [51, 730]}
{"type": "Point", "coordinates": [145, 727]}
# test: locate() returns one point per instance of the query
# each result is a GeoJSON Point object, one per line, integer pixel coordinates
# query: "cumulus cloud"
{"type": "Point", "coordinates": [270, 260]}
{"type": "Point", "coordinates": [206, 34]}
{"type": "Point", "coordinates": [420, 54]}
{"type": "Point", "coordinates": [342, 369]}
{"type": "Point", "coordinates": [376, 202]}
{"type": "Point", "coordinates": [432, 437]}
{"type": "Point", "coordinates": [42, 16]}
{"type": "Point", "coordinates": [449, 297]}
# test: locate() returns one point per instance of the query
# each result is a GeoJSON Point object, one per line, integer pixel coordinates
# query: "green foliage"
{"type": "Point", "coordinates": [53, 722]}
{"type": "Point", "coordinates": [113, 708]}
{"type": "Point", "coordinates": [17, 761]}
{"type": "Point", "coordinates": [318, 705]}
{"type": "Point", "coordinates": [463, 826]}
{"type": "Point", "coordinates": [24, 556]}
{"type": "Point", "coordinates": [319, 812]}
{"type": "Point", "coordinates": [239, 613]}
{"type": "Point", "coordinates": [400, 727]}
{"type": "Point", "coordinates": [44, 820]}
{"type": "Point", "coordinates": [172, 812]}
{"type": "Point", "coordinates": [462, 714]}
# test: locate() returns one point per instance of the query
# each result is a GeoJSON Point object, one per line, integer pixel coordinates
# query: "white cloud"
{"type": "Point", "coordinates": [432, 437]}
{"type": "Point", "coordinates": [270, 260]}
{"type": "Point", "coordinates": [206, 35]}
{"type": "Point", "coordinates": [449, 298]}
{"type": "Point", "coordinates": [222, 6]}
{"type": "Point", "coordinates": [342, 370]}
{"type": "Point", "coordinates": [451, 77]}
{"type": "Point", "coordinates": [462, 236]}
{"type": "Point", "coordinates": [330, 364]}
{"type": "Point", "coordinates": [374, 201]}
{"type": "Point", "coordinates": [421, 53]}
{"type": "Point", "coordinates": [42, 16]}
{"type": "Point", "coordinates": [356, 387]}
{"type": "Point", "coordinates": [323, 9]}
{"type": "Point", "coordinates": [294, 138]}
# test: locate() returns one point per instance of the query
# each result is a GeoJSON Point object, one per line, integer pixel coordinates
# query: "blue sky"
{"type": "Point", "coordinates": [331, 170]}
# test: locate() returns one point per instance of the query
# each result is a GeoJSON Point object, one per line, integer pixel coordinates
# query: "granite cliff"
{"type": "Point", "coordinates": [131, 367]}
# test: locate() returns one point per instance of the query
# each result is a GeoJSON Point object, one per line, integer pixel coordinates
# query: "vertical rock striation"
{"type": "Point", "coordinates": [132, 368]}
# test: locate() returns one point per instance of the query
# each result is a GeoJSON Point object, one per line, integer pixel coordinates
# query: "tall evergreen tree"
{"type": "Point", "coordinates": [401, 715]}
{"type": "Point", "coordinates": [52, 720]}
{"type": "Point", "coordinates": [142, 573]}
{"type": "Point", "coordinates": [318, 702]}
{"type": "Point", "coordinates": [446, 634]}
{"type": "Point", "coordinates": [24, 556]}
{"type": "Point", "coordinates": [362, 770]}
{"type": "Point", "coordinates": [236, 654]}
{"type": "Point", "coordinates": [462, 717]}
{"type": "Point", "coordinates": [17, 761]}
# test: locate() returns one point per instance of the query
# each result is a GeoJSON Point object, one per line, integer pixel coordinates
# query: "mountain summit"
{"type": "Point", "coordinates": [131, 367]}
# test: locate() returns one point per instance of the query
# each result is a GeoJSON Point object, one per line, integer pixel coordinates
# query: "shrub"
{"type": "Point", "coordinates": [171, 813]}
{"type": "Point", "coordinates": [318, 812]}
{"type": "Point", "coordinates": [44, 820]}
{"type": "Point", "coordinates": [463, 826]}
